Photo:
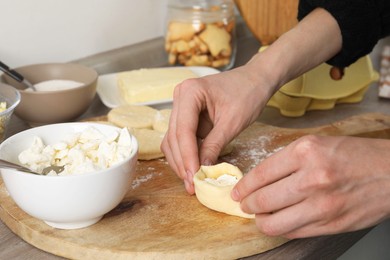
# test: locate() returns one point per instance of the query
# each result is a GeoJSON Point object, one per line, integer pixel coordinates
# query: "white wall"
{"type": "Point", "coordinates": [36, 31]}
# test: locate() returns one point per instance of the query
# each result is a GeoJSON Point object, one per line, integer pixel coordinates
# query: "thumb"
{"type": "Point", "coordinates": [212, 145]}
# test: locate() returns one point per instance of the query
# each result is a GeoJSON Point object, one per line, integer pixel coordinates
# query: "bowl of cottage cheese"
{"type": "Point", "coordinates": [99, 164]}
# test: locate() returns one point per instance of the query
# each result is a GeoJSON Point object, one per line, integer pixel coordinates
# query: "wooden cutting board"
{"type": "Point", "coordinates": [268, 19]}
{"type": "Point", "coordinates": [158, 219]}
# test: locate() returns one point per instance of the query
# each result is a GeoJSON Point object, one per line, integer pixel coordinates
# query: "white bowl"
{"type": "Point", "coordinates": [72, 201]}
{"type": "Point", "coordinates": [11, 96]}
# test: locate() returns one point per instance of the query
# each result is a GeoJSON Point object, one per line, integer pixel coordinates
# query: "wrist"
{"type": "Point", "coordinates": [297, 51]}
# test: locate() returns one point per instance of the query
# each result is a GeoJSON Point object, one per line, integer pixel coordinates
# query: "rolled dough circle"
{"type": "Point", "coordinates": [149, 142]}
{"type": "Point", "coordinates": [132, 116]}
{"type": "Point", "coordinates": [161, 121]}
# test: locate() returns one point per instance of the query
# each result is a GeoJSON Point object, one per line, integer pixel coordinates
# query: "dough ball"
{"type": "Point", "coordinates": [213, 185]}
{"type": "Point", "coordinates": [132, 116]}
{"type": "Point", "coordinates": [161, 121]}
{"type": "Point", "coordinates": [149, 142]}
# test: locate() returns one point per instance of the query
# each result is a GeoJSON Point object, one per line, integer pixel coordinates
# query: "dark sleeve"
{"type": "Point", "coordinates": [362, 24]}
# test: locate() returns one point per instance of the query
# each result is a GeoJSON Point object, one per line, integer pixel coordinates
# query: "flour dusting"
{"type": "Point", "coordinates": [142, 179]}
{"type": "Point", "coordinates": [255, 151]}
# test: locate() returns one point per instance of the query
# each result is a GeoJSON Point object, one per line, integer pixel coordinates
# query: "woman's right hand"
{"type": "Point", "coordinates": [207, 114]}
{"type": "Point", "coordinates": [212, 110]}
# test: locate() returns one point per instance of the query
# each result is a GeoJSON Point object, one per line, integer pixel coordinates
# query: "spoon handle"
{"type": "Point", "coordinates": [13, 74]}
{"type": "Point", "coordinates": [9, 165]}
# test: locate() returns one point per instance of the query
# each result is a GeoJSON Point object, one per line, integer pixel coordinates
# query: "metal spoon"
{"type": "Point", "coordinates": [55, 168]}
{"type": "Point", "coordinates": [45, 171]}
{"type": "Point", "coordinates": [16, 76]}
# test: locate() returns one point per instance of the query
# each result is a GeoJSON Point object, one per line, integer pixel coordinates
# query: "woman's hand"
{"type": "Point", "coordinates": [207, 114]}
{"type": "Point", "coordinates": [319, 185]}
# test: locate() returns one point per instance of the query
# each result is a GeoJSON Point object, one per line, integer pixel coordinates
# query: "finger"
{"type": "Point", "coordinates": [168, 155]}
{"type": "Point", "coordinates": [277, 166]}
{"type": "Point", "coordinates": [204, 126]}
{"type": "Point", "coordinates": [336, 73]}
{"type": "Point", "coordinates": [171, 150]}
{"type": "Point", "coordinates": [169, 158]}
{"type": "Point", "coordinates": [210, 148]}
{"type": "Point", "coordinates": [315, 215]}
{"type": "Point", "coordinates": [287, 220]}
{"type": "Point", "coordinates": [310, 230]}
{"type": "Point", "coordinates": [187, 119]}
{"type": "Point", "coordinates": [273, 197]}
{"type": "Point", "coordinates": [342, 212]}
{"type": "Point", "coordinates": [222, 132]}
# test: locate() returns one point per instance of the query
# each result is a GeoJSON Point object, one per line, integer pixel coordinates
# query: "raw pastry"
{"type": "Point", "coordinates": [149, 126]}
{"type": "Point", "coordinates": [132, 116]}
{"type": "Point", "coordinates": [213, 185]}
{"type": "Point", "coordinates": [161, 121]}
{"type": "Point", "coordinates": [149, 142]}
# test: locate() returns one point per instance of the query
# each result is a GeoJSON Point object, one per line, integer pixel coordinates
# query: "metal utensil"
{"type": "Point", "coordinates": [16, 76]}
{"type": "Point", "coordinates": [55, 168]}
{"type": "Point", "coordinates": [45, 171]}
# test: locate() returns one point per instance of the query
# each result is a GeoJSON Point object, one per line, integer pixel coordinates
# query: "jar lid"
{"type": "Point", "coordinates": [202, 9]}
{"type": "Point", "coordinates": [200, 4]}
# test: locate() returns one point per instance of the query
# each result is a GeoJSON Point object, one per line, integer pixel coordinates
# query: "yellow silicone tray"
{"type": "Point", "coordinates": [297, 106]}
{"type": "Point", "coordinates": [318, 84]}
{"type": "Point", "coordinates": [315, 90]}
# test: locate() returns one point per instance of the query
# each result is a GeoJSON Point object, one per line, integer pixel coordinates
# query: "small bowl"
{"type": "Point", "coordinates": [47, 107]}
{"type": "Point", "coordinates": [70, 201]}
{"type": "Point", "coordinates": [11, 96]}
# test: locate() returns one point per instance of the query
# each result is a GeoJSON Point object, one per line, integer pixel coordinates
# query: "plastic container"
{"type": "Point", "coordinates": [201, 33]}
{"type": "Point", "coordinates": [316, 90]}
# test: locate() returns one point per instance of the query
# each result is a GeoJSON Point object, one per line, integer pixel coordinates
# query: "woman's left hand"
{"type": "Point", "coordinates": [319, 185]}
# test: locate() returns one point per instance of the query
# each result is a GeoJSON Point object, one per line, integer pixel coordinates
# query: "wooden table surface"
{"type": "Point", "coordinates": [151, 54]}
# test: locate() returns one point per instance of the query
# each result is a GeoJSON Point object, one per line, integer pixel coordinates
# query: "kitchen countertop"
{"type": "Point", "coordinates": [151, 54]}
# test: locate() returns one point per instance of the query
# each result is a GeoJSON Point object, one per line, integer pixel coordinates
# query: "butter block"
{"type": "Point", "coordinates": [146, 85]}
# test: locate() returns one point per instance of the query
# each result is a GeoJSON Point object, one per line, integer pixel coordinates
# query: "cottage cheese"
{"type": "Point", "coordinates": [223, 180]}
{"type": "Point", "coordinates": [80, 153]}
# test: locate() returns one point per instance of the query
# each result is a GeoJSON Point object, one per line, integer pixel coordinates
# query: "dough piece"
{"type": "Point", "coordinates": [217, 197]}
{"type": "Point", "coordinates": [149, 142]}
{"type": "Point", "coordinates": [132, 116]}
{"type": "Point", "coordinates": [161, 121]}
{"type": "Point", "coordinates": [146, 85]}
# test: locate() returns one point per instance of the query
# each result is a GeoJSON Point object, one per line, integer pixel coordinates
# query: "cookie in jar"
{"type": "Point", "coordinates": [201, 33]}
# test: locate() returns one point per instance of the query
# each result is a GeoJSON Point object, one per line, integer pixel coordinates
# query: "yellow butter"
{"type": "Point", "coordinates": [146, 85]}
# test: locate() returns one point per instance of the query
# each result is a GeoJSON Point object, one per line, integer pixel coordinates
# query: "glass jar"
{"type": "Point", "coordinates": [201, 33]}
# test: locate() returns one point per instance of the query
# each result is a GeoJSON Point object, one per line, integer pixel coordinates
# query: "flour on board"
{"type": "Point", "coordinates": [254, 151]}
{"type": "Point", "coordinates": [142, 179]}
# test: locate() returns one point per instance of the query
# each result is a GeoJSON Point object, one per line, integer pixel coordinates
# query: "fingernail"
{"type": "Point", "coordinates": [235, 195]}
{"type": "Point", "coordinates": [190, 177]}
{"type": "Point", "coordinates": [187, 185]}
{"type": "Point", "coordinates": [207, 162]}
